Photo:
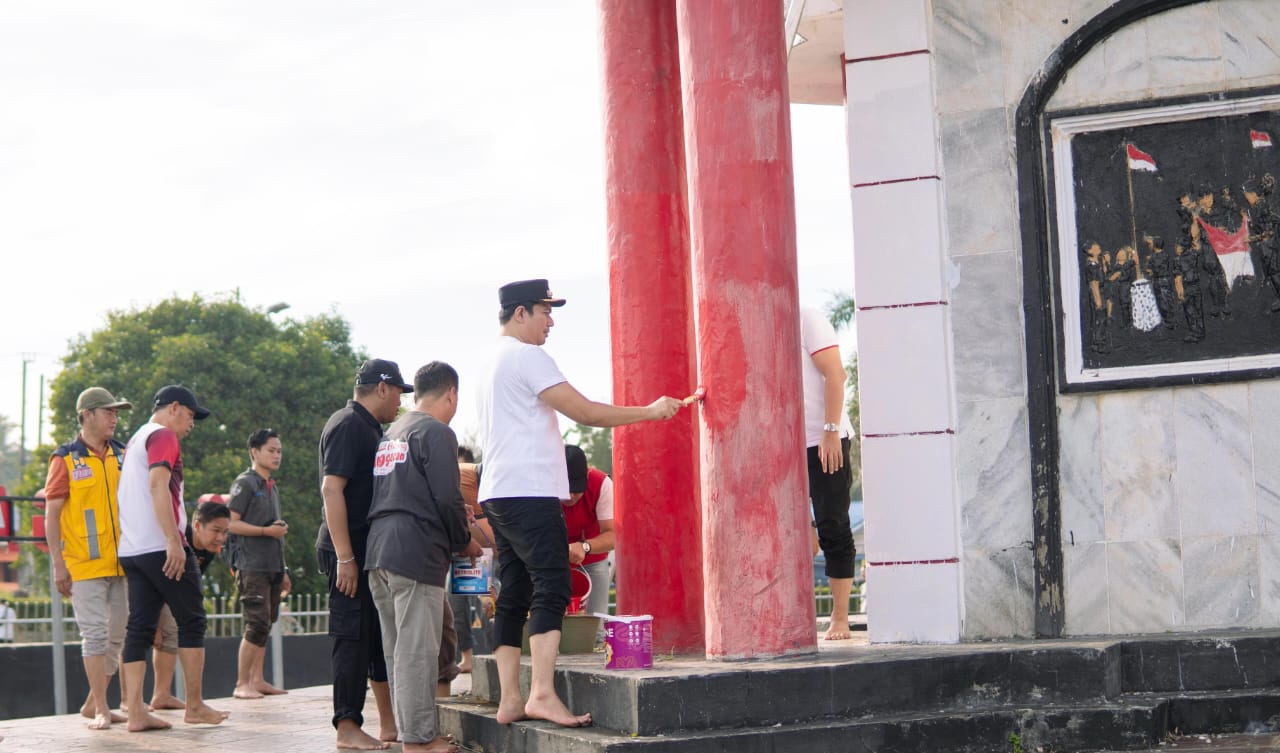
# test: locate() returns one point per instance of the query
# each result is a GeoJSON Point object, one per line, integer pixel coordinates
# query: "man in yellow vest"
{"type": "Point", "coordinates": [83, 529]}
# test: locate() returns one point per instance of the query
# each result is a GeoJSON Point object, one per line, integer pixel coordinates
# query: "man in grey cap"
{"type": "Point", "coordinates": [82, 526]}
{"type": "Point", "coordinates": [524, 480]}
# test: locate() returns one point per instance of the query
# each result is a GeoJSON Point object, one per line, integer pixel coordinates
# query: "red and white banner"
{"type": "Point", "coordinates": [1232, 249]}
{"type": "Point", "coordinates": [1260, 139]}
{"type": "Point", "coordinates": [1140, 160]}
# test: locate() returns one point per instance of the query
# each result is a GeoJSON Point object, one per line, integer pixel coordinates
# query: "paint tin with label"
{"type": "Point", "coordinates": [467, 579]}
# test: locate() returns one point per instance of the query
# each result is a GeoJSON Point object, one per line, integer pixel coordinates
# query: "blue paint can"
{"type": "Point", "coordinates": [466, 579]}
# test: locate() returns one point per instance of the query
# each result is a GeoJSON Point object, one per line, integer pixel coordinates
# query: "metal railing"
{"type": "Point", "coordinates": [300, 614]}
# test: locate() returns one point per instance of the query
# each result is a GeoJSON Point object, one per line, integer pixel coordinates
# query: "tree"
{"type": "Point", "coordinates": [840, 312]}
{"type": "Point", "coordinates": [596, 443]}
{"type": "Point", "coordinates": [249, 370]}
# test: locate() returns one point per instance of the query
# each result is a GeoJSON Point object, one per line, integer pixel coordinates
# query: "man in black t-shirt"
{"type": "Point", "coordinates": [347, 448]}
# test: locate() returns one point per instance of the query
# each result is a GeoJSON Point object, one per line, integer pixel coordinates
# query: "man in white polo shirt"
{"type": "Point", "coordinates": [522, 486]}
{"type": "Point", "coordinates": [828, 432]}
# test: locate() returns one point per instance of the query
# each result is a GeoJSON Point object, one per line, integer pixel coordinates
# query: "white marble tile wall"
{"type": "Point", "coordinates": [914, 603]}
{"type": "Point", "coordinates": [1234, 41]}
{"type": "Point", "coordinates": [890, 119]}
{"type": "Point", "coordinates": [875, 28]}
{"type": "Point", "coordinates": [1170, 498]}
{"type": "Point", "coordinates": [899, 226]}
{"type": "Point", "coordinates": [1213, 464]}
{"type": "Point", "coordinates": [978, 175]}
{"type": "Point", "coordinates": [913, 516]}
{"type": "Point", "coordinates": [905, 361]}
{"type": "Point", "coordinates": [903, 379]}
{"type": "Point", "coordinates": [986, 317]}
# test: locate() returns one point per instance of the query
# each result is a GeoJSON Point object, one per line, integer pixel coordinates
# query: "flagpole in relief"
{"type": "Point", "coordinates": [1146, 313]}
{"type": "Point", "coordinates": [1133, 218]}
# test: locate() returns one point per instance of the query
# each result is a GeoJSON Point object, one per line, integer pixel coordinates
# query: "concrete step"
{"type": "Point", "coordinates": [693, 695]}
{"type": "Point", "coordinates": [1200, 661]}
{"type": "Point", "coordinates": [1125, 725]}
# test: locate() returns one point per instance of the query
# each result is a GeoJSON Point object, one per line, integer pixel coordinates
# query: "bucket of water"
{"type": "Point", "coordinates": [628, 641]}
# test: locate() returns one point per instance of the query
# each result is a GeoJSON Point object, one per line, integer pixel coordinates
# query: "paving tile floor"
{"type": "Point", "coordinates": [293, 723]}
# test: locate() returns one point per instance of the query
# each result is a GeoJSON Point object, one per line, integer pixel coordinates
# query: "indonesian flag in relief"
{"type": "Point", "coordinates": [1232, 249]}
{"type": "Point", "coordinates": [1260, 139]}
{"type": "Point", "coordinates": [1140, 160]}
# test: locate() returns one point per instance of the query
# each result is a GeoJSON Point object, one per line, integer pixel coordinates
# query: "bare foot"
{"type": "Point", "coordinates": [124, 706]}
{"type": "Point", "coordinates": [112, 717]}
{"type": "Point", "coordinates": [205, 714]}
{"type": "Point", "coordinates": [442, 744]}
{"type": "Point", "coordinates": [464, 668]}
{"type": "Point", "coordinates": [102, 721]}
{"type": "Point", "coordinates": [834, 633]}
{"type": "Point", "coordinates": [166, 702]}
{"type": "Point", "coordinates": [352, 737]}
{"type": "Point", "coordinates": [553, 710]}
{"type": "Point", "coordinates": [387, 731]}
{"type": "Point", "coordinates": [145, 722]}
{"type": "Point", "coordinates": [267, 688]}
{"type": "Point", "coordinates": [245, 692]}
{"type": "Point", "coordinates": [511, 712]}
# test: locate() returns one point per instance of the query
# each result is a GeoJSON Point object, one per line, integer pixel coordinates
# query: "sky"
{"type": "Point", "coordinates": [392, 163]}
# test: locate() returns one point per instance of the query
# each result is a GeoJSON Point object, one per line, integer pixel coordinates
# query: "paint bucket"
{"type": "Point", "coordinates": [466, 579]}
{"type": "Point", "coordinates": [628, 642]}
{"type": "Point", "coordinates": [580, 583]}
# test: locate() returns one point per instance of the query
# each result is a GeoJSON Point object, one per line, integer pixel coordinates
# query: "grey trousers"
{"type": "Point", "coordinates": [412, 617]}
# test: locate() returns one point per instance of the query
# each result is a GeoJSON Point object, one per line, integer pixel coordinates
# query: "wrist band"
{"type": "Point", "coordinates": [343, 562]}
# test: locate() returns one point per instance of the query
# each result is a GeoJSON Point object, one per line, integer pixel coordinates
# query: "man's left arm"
{"type": "Point", "coordinates": [440, 468]}
{"type": "Point", "coordinates": [830, 365]}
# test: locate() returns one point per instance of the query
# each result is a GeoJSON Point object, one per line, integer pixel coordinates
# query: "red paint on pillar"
{"type": "Point", "coordinates": [757, 561]}
{"type": "Point", "coordinates": [656, 517]}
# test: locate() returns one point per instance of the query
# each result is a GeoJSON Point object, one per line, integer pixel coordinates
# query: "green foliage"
{"type": "Point", "coordinates": [10, 454]}
{"type": "Point", "coordinates": [1015, 743]}
{"type": "Point", "coordinates": [596, 442]}
{"type": "Point", "coordinates": [840, 312]}
{"type": "Point", "coordinates": [249, 370]}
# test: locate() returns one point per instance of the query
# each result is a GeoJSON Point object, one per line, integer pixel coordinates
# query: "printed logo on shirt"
{"type": "Point", "coordinates": [390, 453]}
{"type": "Point", "coordinates": [81, 472]}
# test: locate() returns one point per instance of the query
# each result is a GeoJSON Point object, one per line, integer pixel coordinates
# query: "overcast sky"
{"type": "Point", "coordinates": [391, 162]}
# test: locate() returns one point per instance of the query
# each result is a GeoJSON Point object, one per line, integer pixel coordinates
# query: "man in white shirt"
{"type": "Point", "coordinates": [524, 481]}
{"type": "Point", "coordinates": [828, 432]}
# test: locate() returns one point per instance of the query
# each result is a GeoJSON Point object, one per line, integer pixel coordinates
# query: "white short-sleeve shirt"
{"type": "Point", "coordinates": [520, 434]}
{"type": "Point", "coordinates": [816, 335]}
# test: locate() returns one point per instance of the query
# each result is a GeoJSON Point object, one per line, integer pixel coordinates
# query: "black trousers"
{"type": "Point", "coordinates": [829, 494]}
{"type": "Point", "coordinates": [532, 545]}
{"type": "Point", "coordinates": [149, 590]}
{"type": "Point", "coordinates": [357, 640]}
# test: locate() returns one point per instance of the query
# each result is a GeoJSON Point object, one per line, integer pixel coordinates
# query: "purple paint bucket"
{"type": "Point", "coordinates": [628, 642]}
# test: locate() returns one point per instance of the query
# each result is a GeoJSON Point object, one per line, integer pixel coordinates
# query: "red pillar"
{"type": "Point", "coordinates": [657, 515]}
{"type": "Point", "coordinates": [756, 557]}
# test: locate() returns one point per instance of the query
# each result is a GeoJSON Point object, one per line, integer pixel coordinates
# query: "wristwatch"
{"type": "Point", "coordinates": [831, 427]}
{"type": "Point", "coordinates": [586, 547]}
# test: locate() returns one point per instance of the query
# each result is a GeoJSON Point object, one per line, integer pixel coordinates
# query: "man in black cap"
{"type": "Point", "coordinates": [157, 557]}
{"type": "Point", "coordinates": [524, 481]}
{"type": "Point", "coordinates": [348, 445]}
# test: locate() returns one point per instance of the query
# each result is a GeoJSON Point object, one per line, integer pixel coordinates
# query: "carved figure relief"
{"type": "Point", "coordinates": [1167, 240]}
